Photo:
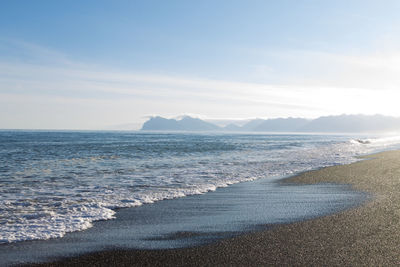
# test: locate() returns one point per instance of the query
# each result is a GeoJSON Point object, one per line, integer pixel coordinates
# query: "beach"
{"type": "Point", "coordinates": [366, 235]}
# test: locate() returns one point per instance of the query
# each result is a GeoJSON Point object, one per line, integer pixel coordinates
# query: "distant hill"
{"type": "Point", "coordinates": [185, 124]}
{"type": "Point", "coordinates": [194, 124]}
{"type": "Point", "coordinates": [232, 128]}
{"type": "Point", "coordinates": [251, 125]}
{"type": "Point", "coordinates": [161, 124]}
{"type": "Point", "coordinates": [352, 124]}
{"type": "Point", "coordinates": [331, 124]}
{"type": "Point", "coordinates": [281, 125]}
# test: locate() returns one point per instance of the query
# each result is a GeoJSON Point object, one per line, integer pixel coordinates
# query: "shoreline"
{"type": "Point", "coordinates": [196, 220]}
{"type": "Point", "coordinates": [366, 235]}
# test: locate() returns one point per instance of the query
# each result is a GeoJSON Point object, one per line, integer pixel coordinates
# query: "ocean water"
{"type": "Point", "coordinates": [52, 183]}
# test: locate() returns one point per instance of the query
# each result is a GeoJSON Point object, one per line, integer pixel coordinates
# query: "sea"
{"type": "Point", "coordinates": [56, 182]}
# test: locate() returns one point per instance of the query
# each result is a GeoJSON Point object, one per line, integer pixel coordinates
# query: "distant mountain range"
{"type": "Point", "coordinates": [331, 124]}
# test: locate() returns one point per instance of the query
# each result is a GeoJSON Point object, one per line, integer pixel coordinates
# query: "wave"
{"type": "Point", "coordinates": [380, 142]}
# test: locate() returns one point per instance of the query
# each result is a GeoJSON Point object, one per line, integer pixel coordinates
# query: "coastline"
{"type": "Point", "coordinates": [365, 235]}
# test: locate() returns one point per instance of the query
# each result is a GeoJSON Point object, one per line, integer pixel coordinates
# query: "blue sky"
{"type": "Point", "coordinates": [94, 64]}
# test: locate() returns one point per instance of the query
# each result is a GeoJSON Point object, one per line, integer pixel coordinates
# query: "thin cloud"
{"type": "Point", "coordinates": [327, 89]}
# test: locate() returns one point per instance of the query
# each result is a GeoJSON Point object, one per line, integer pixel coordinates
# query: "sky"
{"type": "Point", "coordinates": [99, 64]}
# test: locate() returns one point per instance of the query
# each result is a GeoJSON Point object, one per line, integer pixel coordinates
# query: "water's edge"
{"type": "Point", "coordinates": [194, 220]}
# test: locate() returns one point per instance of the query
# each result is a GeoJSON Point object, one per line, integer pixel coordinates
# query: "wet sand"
{"type": "Point", "coordinates": [367, 235]}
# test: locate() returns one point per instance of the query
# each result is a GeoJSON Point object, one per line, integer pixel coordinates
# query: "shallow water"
{"type": "Point", "coordinates": [194, 220]}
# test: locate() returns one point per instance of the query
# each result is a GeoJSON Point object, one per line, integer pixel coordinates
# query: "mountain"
{"type": "Point", "coordinates": [251, 125]}
{"type": "Point", "coordinates": [161, 124]}
{"type": "Point", "coordinates": [327, 124]}
{"type": "Point", "coordinates": [353, 124]}
{"type": "Point", "coordinates": [194, 124]}
{"type": "Point", "coordinates": [232, 128]}
{"type": "Point", "coordinates": [281, 125]}
{"type": "Point", "coordinates": [185, 124]}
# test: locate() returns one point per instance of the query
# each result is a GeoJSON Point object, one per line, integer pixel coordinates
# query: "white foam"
{"type": "Point", "coordinates": [52, 224]}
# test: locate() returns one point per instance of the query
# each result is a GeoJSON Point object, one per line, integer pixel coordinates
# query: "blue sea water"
{"type": "Point", "coordinates": [56, 182]}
